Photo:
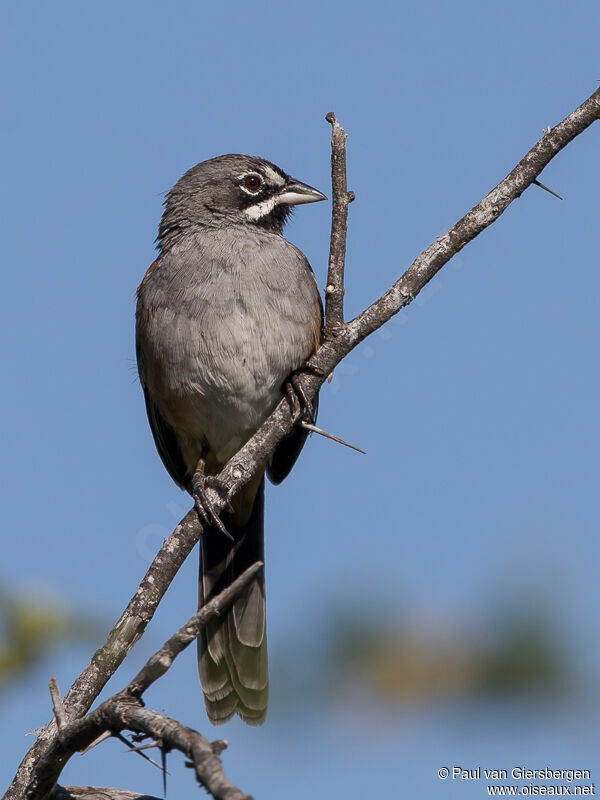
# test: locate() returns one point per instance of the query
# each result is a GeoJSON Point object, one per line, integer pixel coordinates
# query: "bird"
{"type": "Point", "coordinates": [227, 312]}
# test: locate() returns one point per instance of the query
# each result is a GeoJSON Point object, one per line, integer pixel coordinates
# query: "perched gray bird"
{"type": "Point", "coordinates": [224, 315]}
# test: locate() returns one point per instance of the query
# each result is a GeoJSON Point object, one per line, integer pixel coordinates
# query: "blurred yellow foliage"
{"type": "Point", "coordinates": [519, 653]}
{"type": "Point", "coordinates": [30, 627]}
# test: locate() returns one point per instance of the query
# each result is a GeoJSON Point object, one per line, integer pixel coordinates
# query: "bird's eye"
{"type": "Point", "coordinates": [252, 183]}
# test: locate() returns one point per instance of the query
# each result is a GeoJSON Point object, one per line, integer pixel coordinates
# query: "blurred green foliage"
{"type": "Point", "coordinates": [515, 649]}
{"type": "Point", "coordinates": [31, 626]}
{"type": "Point", "coordinates": [520, 652]}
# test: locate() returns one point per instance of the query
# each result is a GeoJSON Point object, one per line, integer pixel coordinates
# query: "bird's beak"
{"type": "Point", "coordinates": [295, 193]}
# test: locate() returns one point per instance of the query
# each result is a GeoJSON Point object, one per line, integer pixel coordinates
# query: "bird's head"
{"type": "Point", "coordinates": [233, 190]}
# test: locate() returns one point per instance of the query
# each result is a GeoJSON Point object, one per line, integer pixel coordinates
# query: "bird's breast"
{"type": "Point", "coordinates": [221, 336]}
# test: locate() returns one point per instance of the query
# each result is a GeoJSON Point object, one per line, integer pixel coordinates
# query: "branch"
{"type": "Point", "coordinates": [334, 291]}
{"type": "Point", "coordinates": [160, 662]}
{"type": "Point", "coordinates": [340, 339]}
{"type": "Point", "coordinates": [255, 453]}
{"type": "Point", "coordinates": [125, 711]}
{"type": "Point", "coordinates": [95, 793]}
{"type": "Point", "coordinates": [121, 639]}
{"type": "Point", "coordinates": [472, 224]}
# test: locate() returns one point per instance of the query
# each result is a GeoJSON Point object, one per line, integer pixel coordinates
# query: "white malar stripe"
{"type": "Point", "coordinates": [259, 210]}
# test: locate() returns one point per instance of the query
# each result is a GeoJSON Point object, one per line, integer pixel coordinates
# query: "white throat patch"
{"type": "Point", "coordinates": [261, 209]}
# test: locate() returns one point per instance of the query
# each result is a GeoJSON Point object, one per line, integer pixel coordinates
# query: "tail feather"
{"type": "Point", "coordinates": [232, 651]}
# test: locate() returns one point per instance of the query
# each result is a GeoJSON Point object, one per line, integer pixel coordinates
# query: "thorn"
{"type": "Point", "coordinates": [103, 737]}
{"type": "Point", "coordinates": [139, 747]}
{"type": "Point", "coordinates": [57, 704]}
{"type": "Point", "coordinates": [541, 185]}
{"type": "Point", "coordinates": [321, 432]}
{"type": "Point", "coordinates": [138, 750]}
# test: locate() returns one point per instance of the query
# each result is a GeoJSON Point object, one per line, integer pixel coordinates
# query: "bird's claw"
{"type": "Point", "coordinates": [301, 405]}
{"type": "Point", "coordinates": [204, 506]}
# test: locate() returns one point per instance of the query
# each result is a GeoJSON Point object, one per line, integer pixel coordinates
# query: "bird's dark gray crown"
{"type": "Point", "coordinates": [227, 190]}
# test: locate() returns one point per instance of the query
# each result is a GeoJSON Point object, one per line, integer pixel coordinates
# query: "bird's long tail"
{"type": "Point", "coordinates": [232, 650]}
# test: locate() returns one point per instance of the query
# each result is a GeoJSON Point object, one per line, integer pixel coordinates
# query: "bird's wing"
{"type": "Point", "coordinates": [166, 442]}
{"type": "Point", "coordinates": [287, 451]}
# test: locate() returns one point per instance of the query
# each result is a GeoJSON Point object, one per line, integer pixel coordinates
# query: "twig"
{"type": "Point", "coordinates": [431, 260]}
{"type": "Point", "coordinates": [334, 291]}
{"type": "Point", "coordinates": [57, 703]}
{"type": "Point", "coordinates": [160, 662]}
{"type": "Point", "coordinates": [125, 710]}
{"type": "Point", "coordinates": [121, 639]}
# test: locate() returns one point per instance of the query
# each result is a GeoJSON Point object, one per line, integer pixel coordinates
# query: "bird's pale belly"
{"type": "Point", "coordinates": [216, 389]}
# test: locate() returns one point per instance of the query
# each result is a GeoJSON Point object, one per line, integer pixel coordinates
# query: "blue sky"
{"type": "Point", "coordinates": [477, 406]}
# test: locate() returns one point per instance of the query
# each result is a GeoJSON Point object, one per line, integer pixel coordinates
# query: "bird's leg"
{"type": "Point", "coordinates": [301, 405]}
{"type": "Point", "coordinates": [204, 506]}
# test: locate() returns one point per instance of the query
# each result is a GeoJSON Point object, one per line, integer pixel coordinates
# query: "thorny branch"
{"type": "Point", "coordinates": [96, 793]}
{"type": "Point", "coordinates": [339, 340]}
{"type": "Point", "coordinates": [125, 711]}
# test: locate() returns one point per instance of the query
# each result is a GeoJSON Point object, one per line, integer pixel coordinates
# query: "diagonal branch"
{"type": "Point", "coordinates": [431, 260]}
{"type": "Point", "coordinates": [125, 711]}
{"type": "Point", "coordinates": [340, 339]}
{"type": "Point", "coordinates": [107, 659]}
{"type": "Point", "coordinates": [255, 453]}
{"type": "Point", "coordinates": [160, 662]}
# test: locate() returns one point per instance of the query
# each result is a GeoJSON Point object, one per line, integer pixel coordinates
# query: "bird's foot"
{"type": "Point", "coordinates": [301, 406]}
{"type": "Point", "coordinates": [204, 505]}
